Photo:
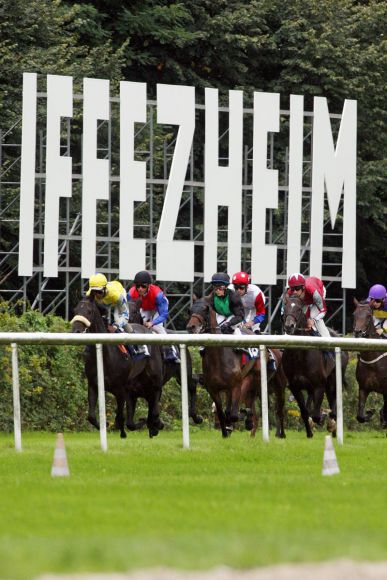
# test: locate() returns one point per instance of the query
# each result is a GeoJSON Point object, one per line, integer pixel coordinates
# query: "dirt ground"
{"type": "Point", "coordinates": [334, 570]}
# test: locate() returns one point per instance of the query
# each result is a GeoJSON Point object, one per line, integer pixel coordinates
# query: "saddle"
{"type": "Point", "coordinates": [121, 347]}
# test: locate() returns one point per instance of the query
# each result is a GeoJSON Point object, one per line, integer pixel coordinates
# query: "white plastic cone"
{"type": "Point", "coordinates": [330, 466]}
{"type": "Point", "coordinates": [60, 467]}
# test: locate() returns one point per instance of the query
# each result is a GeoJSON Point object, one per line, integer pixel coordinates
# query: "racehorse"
{"type": "Point", "coordinates": [371, 369]}
{"type": "Point", "coordinates": [222, 368]}
{"type": "Point", "coordinates": [309, 369]}
{"type": "Point", "coordinates": [119, 369]}
{"type": "Point", "coordinates": [170, 370]}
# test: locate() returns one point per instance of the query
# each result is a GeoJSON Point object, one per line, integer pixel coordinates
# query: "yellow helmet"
{"type": "Point", "coordinates": [97, 282]}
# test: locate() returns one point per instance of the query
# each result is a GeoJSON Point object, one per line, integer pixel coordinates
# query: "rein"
{"type": "Point", "coordinates": [371, 362]}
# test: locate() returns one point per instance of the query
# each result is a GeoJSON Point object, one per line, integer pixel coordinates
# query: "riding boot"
{"type": "Point", "coordinates": [138, 351]}
{"type": "Point", "coordinates": [329, 355]}
{"type": "Point", "coordinates": [271, 363]}
{"type": "Point", "coordinates": [170, 354]}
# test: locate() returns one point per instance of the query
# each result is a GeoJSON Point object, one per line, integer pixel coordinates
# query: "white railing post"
{"type": "Point", "coordinates": [264, 398]}
{"type": "Point", "coordinates": [16, 398]}
{"type": "Point", "coordinates": [101, 398]}
{"type": "Point", "coordinates": [184, 395]}
{"type": "Point", "coordinates": [339, 397]}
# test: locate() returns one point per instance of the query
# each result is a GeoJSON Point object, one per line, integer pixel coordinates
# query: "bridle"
{"type": "Point", "coordinates": [82, 319]}
{"type": "Point", "coordinates": [366, 333]}
{"type": "Point", "coordinates": [203, 321]}
{"type": "Point", "coordinates": [296, 319]}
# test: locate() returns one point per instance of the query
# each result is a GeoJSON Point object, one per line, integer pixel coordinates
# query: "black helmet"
{"type": "Point", "coordinates": [142, 277]}
{"type": "Point", "coordinates": [220, 278]}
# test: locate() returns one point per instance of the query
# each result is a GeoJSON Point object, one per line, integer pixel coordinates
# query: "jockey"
{"type": "Point", "coordinates": [154, 308]}
{"type": "Point", "coordinates": [226, 303]}
{"type": "Point", "coordinates": [253, 300]}
{"type": "Point", "coordinates": [312, 292]}
{"type": "Point", "coordinates": [113, 294]}
{"type": "Point", "coordinates": [377, 298]}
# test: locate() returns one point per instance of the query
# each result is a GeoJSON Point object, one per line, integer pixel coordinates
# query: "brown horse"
{"type": "Point", "coordinates": [223, 370]}
{"type": "Point", "coordinates": [119, 371]}
{"type": "Point", "coordinates": [371, 369]}
{"type": "Point", "coordinates": [309, 369]}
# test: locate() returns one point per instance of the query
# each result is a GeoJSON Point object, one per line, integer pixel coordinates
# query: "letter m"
{"type": "Point", "coordinates": [334, 170]}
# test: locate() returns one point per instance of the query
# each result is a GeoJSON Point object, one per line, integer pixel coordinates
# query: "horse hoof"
{"type": "Point", "coordinates": [153, 432]}
{"type": "Point", "coordinates": [360, 419]}
{"type": "Point", "coordinates": [197, 419]}
{"type": "Point", "coordinates": [280, 435]}
{"type": "Point", "coordinates": [123, 435]}
{"type": "Point", "coordinates": [248, 424]}
{"type": "Point", "coordinates": [309, 435]}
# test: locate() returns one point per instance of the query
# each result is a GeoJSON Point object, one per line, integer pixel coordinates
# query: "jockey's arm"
{"type": "Point", "coordinates": [121, 311]}
{"type": "Point", "coordinates": [260, 310]}
{"type": "Point", "coordinates": [162, 306]}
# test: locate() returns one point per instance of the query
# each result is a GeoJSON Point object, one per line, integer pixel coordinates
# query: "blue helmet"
{"type": "Point", "coordinates": [220, 279]}
{"type": "Point", "coordinates": [377, 292]}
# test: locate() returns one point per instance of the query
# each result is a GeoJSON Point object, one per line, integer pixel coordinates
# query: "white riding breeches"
{"type": "Point", "coordinates": [321, 328]}
{"type": "Point", "coordinates": [148, 315]}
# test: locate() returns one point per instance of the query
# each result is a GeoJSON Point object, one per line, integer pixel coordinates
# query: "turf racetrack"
{"type": "Point", "coordinates": [147, 503]}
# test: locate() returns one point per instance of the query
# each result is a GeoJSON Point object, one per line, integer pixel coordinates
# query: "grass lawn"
{"type": "Point", "coordinates": [237, 502]}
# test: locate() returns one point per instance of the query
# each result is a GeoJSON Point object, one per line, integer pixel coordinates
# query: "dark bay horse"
{"type": "Point", "coordinates": [371, 369]}
{"type": "Point", "coordinates": [222, 369]}
{"type": "Point", "coordinates": [169, 370]}
{"type": "Point", "coordinates": [119, 370]}
{"type": "Point", "coordinates": [309, 370]}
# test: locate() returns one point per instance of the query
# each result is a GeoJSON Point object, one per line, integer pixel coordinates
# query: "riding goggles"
{"type": "Point", "coordinates": [240, 286]}
{"type": "Point", "coordinates": [217, 285]}
{"type": "Point", "coordinates": [295, 288]}
{"type": "Point", "coordinates": [144, 286]}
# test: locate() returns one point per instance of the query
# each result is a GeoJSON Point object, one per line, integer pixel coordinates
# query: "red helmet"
{"type": "Point", "coordinates": [241, 278]}
{"type": "Point", "coordinates": [296, 280]}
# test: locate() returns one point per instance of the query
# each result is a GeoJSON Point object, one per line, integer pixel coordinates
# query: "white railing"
{"type": "Point", "coordinates": [184, 340]}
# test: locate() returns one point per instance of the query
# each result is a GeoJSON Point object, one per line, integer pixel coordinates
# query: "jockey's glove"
{"type": "Point", "coordinates": [226, 329]}
{"type": "Point", "coordinates": [257, 328]}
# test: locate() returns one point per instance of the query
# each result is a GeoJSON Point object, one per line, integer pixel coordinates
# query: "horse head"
{"type": "Point", "coordinates": [199, 320]}
{"type": "Point", "coordinates": [363, 324]}
{"type": "Point", "coordinates": [293, 316]}
{"type": "Point", "coordinates": [87, 317]}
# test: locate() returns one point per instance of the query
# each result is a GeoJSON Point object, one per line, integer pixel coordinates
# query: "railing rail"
{"type": "Point", "coordinates": [184, 340]}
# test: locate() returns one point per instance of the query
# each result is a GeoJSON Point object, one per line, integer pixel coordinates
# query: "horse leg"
{"type": "Point", "coordinates": [331, 396]}
{"type": "Point", "coordinates": [279, 408]}
{"type": "Point", "coordinates": [154, 422]}
{"type": "Point", "coordinates": [92, 396]}
{"type": "Point", "coordinates": [120, 415]}
{"type": "Point", "coordinates": [248, 398]}
{"type": "Point", "coordinates": [221, 416]}
{"type": "Point", "coordinates": [318, 397]}
{"type": "Point", "coordinates": [383, 413]}
{"type": "Point", "coordinates": [235, 399]}
{"type": "Point", "coordinates": [192, 386]}
{"type": "Point", "coordinates": [298, 395]}
{"type": "Point", "coordinates": [363, 395]}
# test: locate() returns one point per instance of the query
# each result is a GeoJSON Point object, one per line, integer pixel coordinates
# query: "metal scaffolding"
{"type": "Point", "coordinates": [154, 144]}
